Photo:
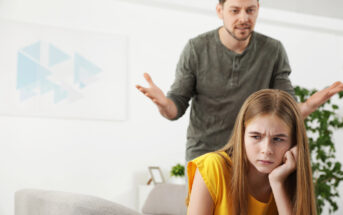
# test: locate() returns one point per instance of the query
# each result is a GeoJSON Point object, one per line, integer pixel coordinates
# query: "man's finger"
{"type": "Point", "coordinates": [336, 84]}
{"type": "Point", "coordinates": [142, 89]}
{"type": "Point", "coordinates": [338, 87]}
{"type": "Point", "coordinates": [335, 88]}
{"type": "Point", "coordinates": [148, 79]}
{"type": "Point", "coordinates": [149, 96]}
{"type": "Point", "coordinates": [139, 87]}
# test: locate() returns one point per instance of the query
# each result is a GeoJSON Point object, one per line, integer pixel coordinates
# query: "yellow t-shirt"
{"type": "Point", "coordinates": [213, 170]}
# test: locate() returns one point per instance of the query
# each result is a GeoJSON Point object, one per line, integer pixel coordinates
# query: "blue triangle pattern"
{"type": "Point", "coordinates": [33, 50]}
{"type": "Point", "coordinates": [27, 71]}
{"type": "Point", "coordinates": [46, 86]}
{"type": "Point", "coordinates": [27, 92]}
{"type": "Point", "coordinates": [42, 72]}
{"type": "Point", "coordinates": [82, 85]}
{"type": "Point", "coordinates": [60, 94]}
{"type": "Point", "coordinates": [83, 70]}
{"type": "Point", "coordinates": [56, 55]}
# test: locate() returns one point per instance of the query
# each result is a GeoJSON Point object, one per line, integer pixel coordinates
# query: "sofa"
{"type": "Point", "coordinates": [163, 199]}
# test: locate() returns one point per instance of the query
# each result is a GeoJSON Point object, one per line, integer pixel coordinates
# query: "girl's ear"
{"type": "Point", "coordinates": [219, 10]}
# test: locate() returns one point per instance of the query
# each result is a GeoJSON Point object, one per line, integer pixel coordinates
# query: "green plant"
{"type": "Point", "coordinates": [327, 171]}
{"type": "Point", "coordinates": [178, 170]}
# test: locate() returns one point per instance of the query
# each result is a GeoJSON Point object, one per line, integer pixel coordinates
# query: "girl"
{"type": "Point", "coordinates": [265, 167]}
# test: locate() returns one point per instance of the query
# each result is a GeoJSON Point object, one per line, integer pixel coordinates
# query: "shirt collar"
{"type": "Point", "coordinates": [250, 45]}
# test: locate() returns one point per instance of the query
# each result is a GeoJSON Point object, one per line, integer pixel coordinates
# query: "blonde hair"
{"type": "Point", "coordinates": [299, 183]}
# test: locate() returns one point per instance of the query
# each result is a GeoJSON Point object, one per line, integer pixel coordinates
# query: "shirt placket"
{"type": "Point", "coordinates": [235, 78]}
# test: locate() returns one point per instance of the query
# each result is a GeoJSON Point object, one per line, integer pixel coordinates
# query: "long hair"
{"type": "Point", "coordinates": [299, 184]}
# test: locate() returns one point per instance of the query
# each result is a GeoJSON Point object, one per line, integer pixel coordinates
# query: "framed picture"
{"type": "Point", "coordinates": [49, 71]}
{"type": "Point", "coordinates": [156, 174]}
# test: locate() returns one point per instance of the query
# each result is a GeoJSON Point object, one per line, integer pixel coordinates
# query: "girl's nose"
{"type": "Point", "coordinates": [267, 146]}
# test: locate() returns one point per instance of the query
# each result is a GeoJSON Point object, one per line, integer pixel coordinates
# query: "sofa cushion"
{"type": "Point", "coordinates": [41, 202]}
{"type": "Point", "coordinates": [166, 199]}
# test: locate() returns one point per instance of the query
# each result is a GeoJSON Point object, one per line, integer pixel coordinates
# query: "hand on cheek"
{"type": "Point", "coordinates": [280, 173]}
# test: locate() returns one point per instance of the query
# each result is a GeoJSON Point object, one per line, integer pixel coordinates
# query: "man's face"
{"type": "Point", "coordinates": [239, 17]}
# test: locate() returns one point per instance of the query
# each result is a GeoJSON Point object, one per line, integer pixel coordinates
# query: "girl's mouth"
{"type": "Point", "coordinates": [265, 162]}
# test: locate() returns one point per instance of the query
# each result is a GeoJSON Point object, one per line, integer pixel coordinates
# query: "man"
{"type": "Point", "coordinates": [218, 70]}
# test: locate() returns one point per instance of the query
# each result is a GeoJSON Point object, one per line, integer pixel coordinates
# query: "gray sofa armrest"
{"type": "Point", "coordinates": [40, 202]}
{"type": "Point", "coordinates": [166, 199]}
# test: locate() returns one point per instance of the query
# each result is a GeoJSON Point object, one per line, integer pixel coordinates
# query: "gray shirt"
{"type": "Point", "coordinates": [219, 80]}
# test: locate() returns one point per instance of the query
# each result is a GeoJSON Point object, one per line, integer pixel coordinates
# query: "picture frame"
{"type": "Point", "coordinates": [58, 72]}
{"type": "Point", "coordinates": [156, 174]}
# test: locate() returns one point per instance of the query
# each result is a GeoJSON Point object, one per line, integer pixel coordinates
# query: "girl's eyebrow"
{"type": "Point", "coordinates": [276, 135]}
{"type": "Point", "coordinates": [281, 135]}
{"type": "Point", "coordinates": [254, 133]}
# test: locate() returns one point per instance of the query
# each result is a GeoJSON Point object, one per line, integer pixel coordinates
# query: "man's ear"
{"type": "Point", "coordinates": [219, 10]}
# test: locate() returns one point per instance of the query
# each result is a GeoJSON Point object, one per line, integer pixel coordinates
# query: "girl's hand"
{"type": "Point", "coordinates": [280, 173]}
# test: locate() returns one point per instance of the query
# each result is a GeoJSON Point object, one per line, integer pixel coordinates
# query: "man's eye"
{"type": "Point", "coordinates": [234, 11]}
{"type": "Point", "coordinates": [250, 11]}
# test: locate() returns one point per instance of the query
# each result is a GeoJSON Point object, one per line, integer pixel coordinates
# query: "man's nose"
{"type": "Point", "coordinates": [243, 17]}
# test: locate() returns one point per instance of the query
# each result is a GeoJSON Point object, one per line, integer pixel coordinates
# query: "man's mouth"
{"type": "Point", "coordinates": [242, 27]}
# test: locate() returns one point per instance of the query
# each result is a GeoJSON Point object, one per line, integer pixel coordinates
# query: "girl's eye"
{"type": "Point", "coordinates": [277, 139]}
{"type": "Point", "coordinates": [256, 137]}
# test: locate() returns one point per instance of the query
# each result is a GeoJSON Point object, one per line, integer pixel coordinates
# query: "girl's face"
{"type": "Point", "coordinates": [266, 139]}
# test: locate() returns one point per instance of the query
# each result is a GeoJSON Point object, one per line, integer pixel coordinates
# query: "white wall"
{"type": "Point", "coordinates": [110, 159]}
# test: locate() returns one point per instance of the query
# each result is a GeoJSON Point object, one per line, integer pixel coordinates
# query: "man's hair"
{"type": "Point", "coordinates": [223, 1]}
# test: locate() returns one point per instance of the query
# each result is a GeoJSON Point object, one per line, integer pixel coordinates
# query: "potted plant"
{"type": "Point", "coordinates": [177, 174]}
{"type": "Point", "coordinates": [327, 171]}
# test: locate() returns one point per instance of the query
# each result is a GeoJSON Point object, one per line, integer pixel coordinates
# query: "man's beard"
{"type": "Point", "coordinates": [236, 38]}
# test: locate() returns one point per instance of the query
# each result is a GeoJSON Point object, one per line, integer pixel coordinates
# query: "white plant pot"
{"type": "Point", "coordinates": [177, 180]}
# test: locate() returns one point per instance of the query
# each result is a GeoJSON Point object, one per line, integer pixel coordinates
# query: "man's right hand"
{"type": "Point", "coordinates": [166, 106]}
{"type": "Point", "coordinates": [153, 92]}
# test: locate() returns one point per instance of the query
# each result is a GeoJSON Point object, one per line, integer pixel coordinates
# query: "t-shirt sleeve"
{"type": "Point", "coordinates": [281, 72]}
{"type": "Point", "coordinates": [212, 171]}
{"type": "Point", "coordinates": [182, 89]}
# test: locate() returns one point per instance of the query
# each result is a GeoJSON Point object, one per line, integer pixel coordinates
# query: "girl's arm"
{"type": "Point", "coordinates": [283, 203]}
{"type": "Point", "coordinates": [201, 202]}
{"type": "Point", "coordinates": [277, 182]}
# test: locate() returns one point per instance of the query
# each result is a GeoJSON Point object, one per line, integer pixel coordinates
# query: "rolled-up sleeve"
{"type": "Point", "coordinates": [182, 90]}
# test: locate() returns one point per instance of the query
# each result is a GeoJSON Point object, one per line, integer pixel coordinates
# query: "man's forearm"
{"type": "Point", "coordinates": [305, 109]}
{"type": "Point", "coordinates": [169, 111]}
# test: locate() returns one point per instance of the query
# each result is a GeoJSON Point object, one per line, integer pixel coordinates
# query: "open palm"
{"type": "Point", "coordinates": [153, 92]}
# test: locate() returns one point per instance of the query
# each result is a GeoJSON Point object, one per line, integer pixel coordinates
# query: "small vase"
{"type": "Point", "coordinates": [177, 180]}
